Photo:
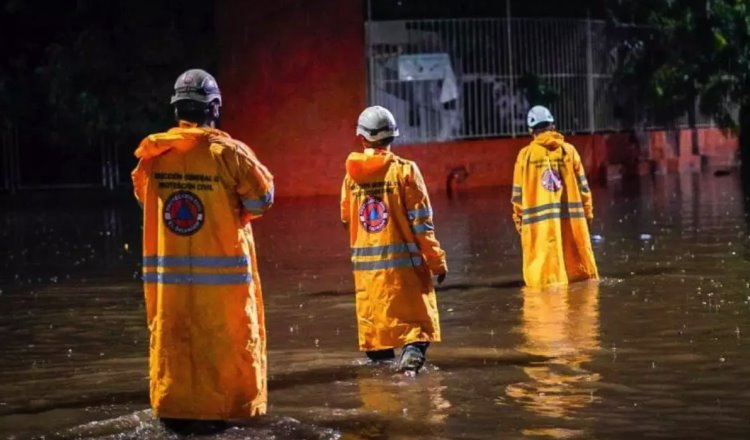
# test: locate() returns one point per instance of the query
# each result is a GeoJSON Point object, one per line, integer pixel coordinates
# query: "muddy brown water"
{"type": "Point", "coordinates": [657, 349]}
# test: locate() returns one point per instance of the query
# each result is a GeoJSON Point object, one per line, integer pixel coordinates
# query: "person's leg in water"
{"type": "Point", "coordinates": [413, 356]}
{"type": "Point", "coordinates": [186, 427]}
{"type": "Point", "coordinates": [381, 355]}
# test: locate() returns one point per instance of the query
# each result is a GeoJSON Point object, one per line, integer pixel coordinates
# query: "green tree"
{"type": "Point", "coordinates": [687, 50]}
{"type": "Point", "coordinates": [85, 74]}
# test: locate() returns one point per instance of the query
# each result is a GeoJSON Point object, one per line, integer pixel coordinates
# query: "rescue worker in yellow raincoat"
{"type": "Point", "coordinates": [552, 207]}
{"type": "Point", "coordinates": [385, 205]}
{"type": "Point", "coordinates": [199, 190]}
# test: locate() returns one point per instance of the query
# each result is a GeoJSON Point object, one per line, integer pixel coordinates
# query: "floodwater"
{"type": "Point", "coordinates": [657, 349]}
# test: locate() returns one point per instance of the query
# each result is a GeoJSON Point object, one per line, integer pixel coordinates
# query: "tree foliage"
{"type": "Point", "coordinates": [83, 72]}
{"type": "Point", "coordinates": [682, 50]}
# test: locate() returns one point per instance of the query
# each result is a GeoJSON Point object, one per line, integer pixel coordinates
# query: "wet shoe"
{"type": "Point", "coordinates": [378, 356]}
{"type": "Point", "coordinates": [411, 360]}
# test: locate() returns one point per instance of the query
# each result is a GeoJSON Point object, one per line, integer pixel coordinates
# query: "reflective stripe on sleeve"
{"type": "Point", "coordinates": [422, 228]}
{"type": "Point", "coordinates": [415, 214]}
{"type": "Point", "coordinates": [257, 206]}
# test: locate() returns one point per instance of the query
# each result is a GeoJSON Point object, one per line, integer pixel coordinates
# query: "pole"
{"type": "Point", "coordinates": [511, 78]}
{"type": "Point", "coordinates": [368, 54]}
{"type": "Point", "coordinates": [590, 73]}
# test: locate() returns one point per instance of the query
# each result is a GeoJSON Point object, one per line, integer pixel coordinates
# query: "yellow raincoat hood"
{"type": "Point", "coordinates": [550, 140]}
{"type": "Point", "coordinates": [365, 165]}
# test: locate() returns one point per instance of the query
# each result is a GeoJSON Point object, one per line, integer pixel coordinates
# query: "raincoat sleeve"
{"type": "Point", "coordinates": [517, 191]}
{"type": "Point", "coordinates": [140, 179]}
{"type": "Point", "coordinates": [419, 212]}
{"type": "Point", "coordinates": [583, 186]}
{"type": "Point", "coordinates": [141, 173]}
{"type": "Point", "coordinates": [345, 200]}
{"type": "Point", "coordinates": [253, 183]}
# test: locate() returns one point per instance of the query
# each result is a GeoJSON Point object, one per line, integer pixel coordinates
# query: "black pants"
{"type": "Point", "coordinates": [388, 353]}
{"type": "Point", "coordinates": [187, 427]}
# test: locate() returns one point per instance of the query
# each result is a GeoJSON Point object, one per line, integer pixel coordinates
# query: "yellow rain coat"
{"type": "Point", "coordinates": [385, 204]}
{"type": "Point", "coordinates": [551, 206]}
{"type": "Point", "coordinates": [199, 189]}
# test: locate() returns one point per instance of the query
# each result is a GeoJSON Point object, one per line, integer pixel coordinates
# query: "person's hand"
{"type": "Point", "coordinates": [441, 277]}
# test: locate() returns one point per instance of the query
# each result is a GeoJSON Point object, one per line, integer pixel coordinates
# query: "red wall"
{"type": "Point", "coordinates": [490, 162]}
{"type": "Point", "coordinates": [604, 155]}
{"type": "Point", "coordinates": [292, 73]}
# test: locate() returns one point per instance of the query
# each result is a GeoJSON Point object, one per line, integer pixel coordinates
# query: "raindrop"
{"type": "Point", "coordinates": [317, 342]}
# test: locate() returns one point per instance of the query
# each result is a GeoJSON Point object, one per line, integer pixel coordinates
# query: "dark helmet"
{"type": "Point", "coordinates": [196, 85]}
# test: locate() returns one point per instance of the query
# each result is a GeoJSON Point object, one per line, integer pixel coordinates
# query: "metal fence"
{"type": "Point", "coordinates": [470, 78]}
{"type": "Point", "coordinates": [9, 169]}
{"type": "Point", "coordinates": [55, 167]}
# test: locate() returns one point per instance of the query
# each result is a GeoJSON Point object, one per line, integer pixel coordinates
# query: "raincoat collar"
{"type": "Point", "coordinates": [551, 140]}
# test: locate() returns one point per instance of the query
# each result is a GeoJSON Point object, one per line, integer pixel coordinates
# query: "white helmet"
{"type": "Point", "coordinates": [376, 123]}
{"type": "Point", "coordinates": [539, 114]}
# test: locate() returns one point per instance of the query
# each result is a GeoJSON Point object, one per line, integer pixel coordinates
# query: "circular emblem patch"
{"type": "Point", "coordinates": [183, 213]}
{"type": "Point", "coordinates": [373, 214]}
{"type": "Point", "coordinates": [551, 180]}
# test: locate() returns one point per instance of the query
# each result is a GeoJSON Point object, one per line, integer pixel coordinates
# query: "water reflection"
{"type": "Point", "coordinates": [561, 323]}
{"type": "Point", "coordinates": [403, 405]}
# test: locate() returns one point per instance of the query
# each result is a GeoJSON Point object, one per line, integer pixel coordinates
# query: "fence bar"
{"type": "Point", "coordinates": [590, 75]}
